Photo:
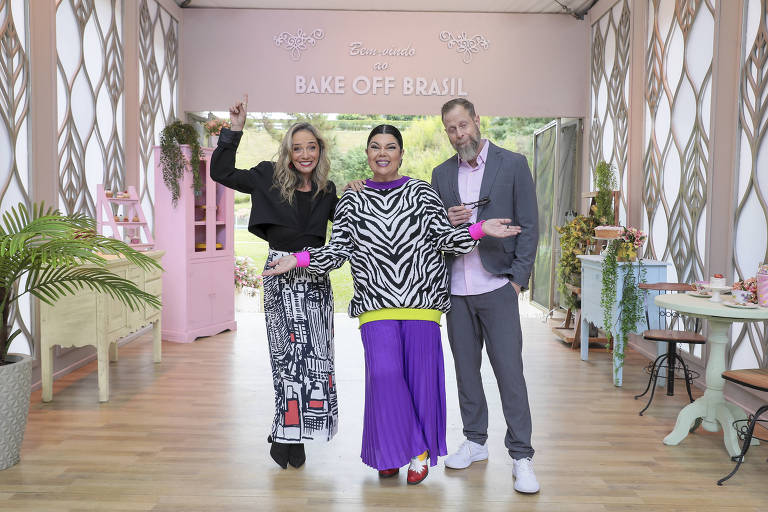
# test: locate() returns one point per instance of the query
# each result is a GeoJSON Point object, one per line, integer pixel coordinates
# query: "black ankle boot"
{"type": "Point", "coordinates": [296, 455]}
{"type": "Point", "coordinates": [279, 452]}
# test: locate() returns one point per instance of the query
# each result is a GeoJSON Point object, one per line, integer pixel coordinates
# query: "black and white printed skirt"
{"type": "Point", "coordinates": [299, 315]}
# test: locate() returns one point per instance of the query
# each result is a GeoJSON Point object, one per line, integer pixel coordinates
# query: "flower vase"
{"type": "Point", "coordinates": [213, 141]}
{"type": "Point", "coordinates": [626, 252]}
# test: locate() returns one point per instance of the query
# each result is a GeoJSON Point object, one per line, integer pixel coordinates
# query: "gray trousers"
{"type": "Point", "coordinates": [493, 318]}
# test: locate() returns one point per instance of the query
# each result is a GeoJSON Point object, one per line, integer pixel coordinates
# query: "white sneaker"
{"type": "Point", "coordinates": [525, 478]}
{"type": "Point", "coordinates": [467, 453]}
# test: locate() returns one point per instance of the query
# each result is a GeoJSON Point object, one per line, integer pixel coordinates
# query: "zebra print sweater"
{"type": "Point", "coordinates": [393, 239]}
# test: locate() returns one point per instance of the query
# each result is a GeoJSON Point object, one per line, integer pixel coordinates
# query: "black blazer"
{"type": "Point", "coordinates": [267, 207]}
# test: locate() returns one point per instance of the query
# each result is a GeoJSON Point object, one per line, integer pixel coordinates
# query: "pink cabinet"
{"type": "Point", "coordinates": [197, 236]}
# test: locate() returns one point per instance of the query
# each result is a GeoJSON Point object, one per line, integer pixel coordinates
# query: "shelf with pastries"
{"type": "Point", "coordinates": [122, 218]}
{"type": "Point", "coordinates": [202, 246]}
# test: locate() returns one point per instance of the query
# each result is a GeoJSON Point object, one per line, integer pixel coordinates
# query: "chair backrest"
{"type": "Point", "coordinates": [668, 287]}
{"type": "Point", "coordinates": [666, 318]}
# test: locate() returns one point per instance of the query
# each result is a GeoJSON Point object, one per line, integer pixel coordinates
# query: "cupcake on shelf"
{"type": "Point", "coordinates": [608, 232]}
{"type": "Point", "coordinates": [717, 281]}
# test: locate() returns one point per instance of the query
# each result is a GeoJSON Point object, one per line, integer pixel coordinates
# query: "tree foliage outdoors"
{"type": "Point", "coordinates": [425, 142]}
{"type": "Point", "coordinates": [500, 127]}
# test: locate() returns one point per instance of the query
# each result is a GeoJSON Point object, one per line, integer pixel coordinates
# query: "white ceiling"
{"type": "Point", "coordinates": [507, 6]}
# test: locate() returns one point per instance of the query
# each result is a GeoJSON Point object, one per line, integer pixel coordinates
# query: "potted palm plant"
{"type": "Point", "coordinates": [42, 253]}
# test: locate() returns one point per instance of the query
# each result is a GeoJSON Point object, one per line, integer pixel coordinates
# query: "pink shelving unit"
{"type": "Point", "coordinates": [198, 237]}
{"type": "Point", "coordinates": [119, 215]}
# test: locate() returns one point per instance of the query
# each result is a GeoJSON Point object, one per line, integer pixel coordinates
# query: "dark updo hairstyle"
{"type": "Point", "coordinates": [386, 128]}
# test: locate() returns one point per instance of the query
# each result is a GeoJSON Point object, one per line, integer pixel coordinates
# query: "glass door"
{"type": "Point", "coordinates": [557, 175]}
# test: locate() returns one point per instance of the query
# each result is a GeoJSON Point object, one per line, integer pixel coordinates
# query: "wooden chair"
{"type": "Point", "coordinates": [669, 360]}
{"type": "Point", "coordinates": [755, 379]}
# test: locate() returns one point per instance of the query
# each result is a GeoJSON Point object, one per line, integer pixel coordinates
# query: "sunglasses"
{"type": "Point", "coordinates": [480, 202]}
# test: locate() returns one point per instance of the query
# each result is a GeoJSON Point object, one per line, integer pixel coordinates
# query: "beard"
{"type": "Point", "coordinates": [470, 149]}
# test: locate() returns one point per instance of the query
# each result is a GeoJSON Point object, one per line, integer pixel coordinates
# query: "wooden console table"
{"type": "Point", "coordinates": [88, 318]}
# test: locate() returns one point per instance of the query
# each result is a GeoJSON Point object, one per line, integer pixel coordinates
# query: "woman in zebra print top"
{"type": "Point", "coordinates": [393, 233]}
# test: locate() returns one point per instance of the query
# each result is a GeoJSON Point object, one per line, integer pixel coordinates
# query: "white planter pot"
{"type": "Point", "coordinates": [248, 300]}
{"type": "Point", "coordinates": [15, 387]}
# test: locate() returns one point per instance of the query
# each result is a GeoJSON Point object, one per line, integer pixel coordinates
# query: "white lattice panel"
{"type": "Point", "coordinates": [158, 89]}
{"type": "Point", "coordinates": [89, 48]}
{"type": "Point", "coordinates": [677, 123]}
{"type": "Point", "coordinates": [751, 207]}
{"type": "Point", "coordinates": [14, 109]}
{"type": "Point", "coordinates": [610, 95]}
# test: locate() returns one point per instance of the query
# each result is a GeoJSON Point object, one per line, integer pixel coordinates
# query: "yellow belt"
{"type": "Point", "coordinates": [432, 315]}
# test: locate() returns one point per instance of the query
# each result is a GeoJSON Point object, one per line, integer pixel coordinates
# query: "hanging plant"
{"type": "Point", "coordinates": [610, 268]}
{"type": "Point", "coordinates": [172, 160]}
{"type": "Point", "coordinates": [632, 300]}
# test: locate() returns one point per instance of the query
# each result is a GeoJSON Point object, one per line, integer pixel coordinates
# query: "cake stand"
{"type": "Point", "coordinates": [716, 290]}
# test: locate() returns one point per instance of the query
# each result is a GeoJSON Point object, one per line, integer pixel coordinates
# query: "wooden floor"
{"type": "Point", "coordinates": [190, 435]}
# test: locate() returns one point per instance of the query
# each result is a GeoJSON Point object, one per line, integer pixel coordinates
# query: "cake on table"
{"type": "Point", "coordinates": [717, 281]}
{"type": "Point", "coordinates": [608, 231]}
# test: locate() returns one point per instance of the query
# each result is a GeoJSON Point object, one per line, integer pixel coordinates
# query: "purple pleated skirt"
{"type": "Point", "coordinates": [404, 392]}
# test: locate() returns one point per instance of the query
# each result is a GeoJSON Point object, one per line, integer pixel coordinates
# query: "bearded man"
{"type": "Point", "coordinates": [484, 181]}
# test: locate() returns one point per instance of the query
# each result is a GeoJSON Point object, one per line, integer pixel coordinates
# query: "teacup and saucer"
{"type": "Point", "coordinates": [701, 289]}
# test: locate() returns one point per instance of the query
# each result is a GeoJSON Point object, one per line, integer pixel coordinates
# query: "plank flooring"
{"type": "Point", "coordinates": [190, 434]}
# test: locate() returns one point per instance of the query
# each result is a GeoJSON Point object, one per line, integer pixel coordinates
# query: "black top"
{"type": "Point", "coordinates": [285, 227]}
{"type": "Point", "coordinates": [290, 239]}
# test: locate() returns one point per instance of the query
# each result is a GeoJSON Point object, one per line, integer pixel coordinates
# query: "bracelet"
{"type": "Point", "coordinates": [476, 230]}
{"type": "Point", "coordinates": [302, 259]}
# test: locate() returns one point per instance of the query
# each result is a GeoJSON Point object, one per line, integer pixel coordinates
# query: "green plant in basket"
{"type": "Point", "coordinates": [172, 161]}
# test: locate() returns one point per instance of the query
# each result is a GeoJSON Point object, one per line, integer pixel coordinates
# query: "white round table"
{"type": "Point", "coordinates": [712, 408]}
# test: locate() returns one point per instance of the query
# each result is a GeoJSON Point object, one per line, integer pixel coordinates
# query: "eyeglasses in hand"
{"type": "Point", "coordinates": [480, 202]}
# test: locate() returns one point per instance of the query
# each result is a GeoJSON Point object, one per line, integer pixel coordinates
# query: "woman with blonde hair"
{"type": "Point", "coordinates": [292, 201]}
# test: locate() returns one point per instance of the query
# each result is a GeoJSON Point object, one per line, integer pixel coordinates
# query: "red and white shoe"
{"type": "Point", "coordinates": [418, 470]}
{"type": "Point", "coordinates": [388, 473]}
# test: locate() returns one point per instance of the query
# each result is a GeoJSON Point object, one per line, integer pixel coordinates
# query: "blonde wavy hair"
{"type": "Point", "coordinates": [286, 178]}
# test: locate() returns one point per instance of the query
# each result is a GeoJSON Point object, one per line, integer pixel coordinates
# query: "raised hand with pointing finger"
{"type": "Point", "coordinates": [237, 114]}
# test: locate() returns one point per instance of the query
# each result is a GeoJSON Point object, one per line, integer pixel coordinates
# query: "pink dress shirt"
{"type": "Point", "coordinates": [468, 276]}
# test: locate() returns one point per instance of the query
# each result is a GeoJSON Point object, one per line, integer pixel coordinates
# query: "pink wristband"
{"type": "Point", "coordinates": [476, 230]}
{"type": "Point", "coordinates": [302, 259]}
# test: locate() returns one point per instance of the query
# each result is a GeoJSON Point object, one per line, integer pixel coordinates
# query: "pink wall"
{"type": "Point", "coordinates": [533, 66]}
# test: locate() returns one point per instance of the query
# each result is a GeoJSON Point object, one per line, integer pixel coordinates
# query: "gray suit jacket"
{"type": "Point", "coordinates": [507, 182]}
